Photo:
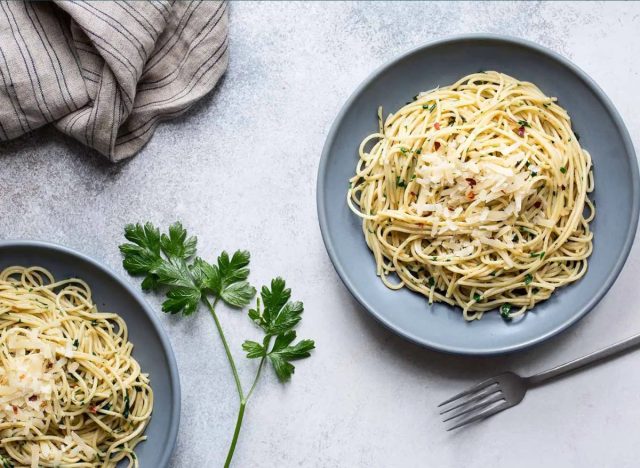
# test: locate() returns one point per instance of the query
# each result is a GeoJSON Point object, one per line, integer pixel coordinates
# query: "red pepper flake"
{"type": "Point", "coordinates": [15, 409]}
{"type": "Point", "coordinates": [470, 195]}
{"type": "Point", "coordinates": [471, 181]}
{"type": "Point", "coordinates": [93, 409]}
{"type": "Point", "coordinates": [413, 193]}
{"type": "Point", "coordinates": [521, 131]}
{"type": "Point", "coordinates": [537, 204]}
{"type": "Point", "coordinates": [437, 125]}
{"type": "Point", "coordinates": [33, 398]}
{"type": "Point", "coordinates": [436, 145]}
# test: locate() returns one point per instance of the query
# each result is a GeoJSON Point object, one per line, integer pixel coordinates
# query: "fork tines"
{"type": "Point", "coordinates": [474, 404]}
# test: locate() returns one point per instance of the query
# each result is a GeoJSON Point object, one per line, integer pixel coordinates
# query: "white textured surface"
{"type": "Point", "coordinates": [240, 170]}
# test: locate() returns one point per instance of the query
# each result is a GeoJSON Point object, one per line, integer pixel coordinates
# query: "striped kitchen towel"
{"type": "Point", "coordinates": [107, 72]}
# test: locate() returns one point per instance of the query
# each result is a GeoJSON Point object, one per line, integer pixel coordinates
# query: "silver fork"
{"type": "Point", "coordinates": [508, 389]}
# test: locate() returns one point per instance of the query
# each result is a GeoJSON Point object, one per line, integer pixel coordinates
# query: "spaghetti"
{"type": "Point", "coordinates": [71, 394]}
{"type": "Point", "coordinates": [476, 195]}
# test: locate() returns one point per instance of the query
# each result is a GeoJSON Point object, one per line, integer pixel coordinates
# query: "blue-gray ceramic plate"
{"type": "Point", "coordinates": [151, 347]}
{"type": "Point", "coordinates": [443, 62]}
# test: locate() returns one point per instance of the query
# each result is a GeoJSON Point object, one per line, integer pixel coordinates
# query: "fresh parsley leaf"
{"type": "Point", "coordinates": [528, 279]}
{"type": "Point", "coordinates": [142, 255]}
{"type": "Point", "coordinates": [400, 182]}
{"type": "Point", "coordinates": [174, 273]}
{"type": "Point", "coordinates": [234, 268]}
{"type": "Point", "coordinates": [150, 283]}
{"type": "Point", "coordinates": [238, 294]}
{"type": "Point", "coordinates": [524, 123]}
{"type": "Point", "coordinates": [477, 297]}
{"type": "Point", "coordinates": [505, 311]}
{"type": "Point", "coordinates": [563, 170]}
{"type": "Point", "coordinates": [277, 316]}
{"type": "Point", "coordinates": [282, 354]}
{"type": "Point", "coordinates": [285, 319]}
{"type": "Point", "coordinates": [227, 279]}
{"type": "Point", "coordinates": [274, 301]}
{"type": "Point", "coordinates": [253, 349]}
{"type": "Point", "coordinates": [284, 369]}
{"type": "Point", "coordinates": [168, 260]}
{"type": "Point", "coordinates": [183, 300]}
{"type": "Point", "coordinates": [203, 273]}
{"type": "Point", "coordinates": [177, 244]}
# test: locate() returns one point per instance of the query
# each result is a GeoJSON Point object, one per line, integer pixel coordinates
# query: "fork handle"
{"type": "Point", "coordinates": [595, 357]}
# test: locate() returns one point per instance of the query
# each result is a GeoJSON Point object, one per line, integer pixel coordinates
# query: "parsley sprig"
{"type": "Point", "coordinates": [169, 263]}
{"type": "Point", "coordinates": [277, 317]}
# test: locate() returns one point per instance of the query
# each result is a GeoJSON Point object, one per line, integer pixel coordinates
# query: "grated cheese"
{"type": "Point", "coordinates": [454, 188]}
{"type": "Point", "coordinates": [27, 381]}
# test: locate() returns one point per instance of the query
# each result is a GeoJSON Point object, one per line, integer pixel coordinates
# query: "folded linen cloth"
{"type": "Point", "coordinates": [107, 72]}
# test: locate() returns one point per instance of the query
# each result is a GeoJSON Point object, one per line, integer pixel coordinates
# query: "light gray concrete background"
{"type": "Point", "coordinates": [239, 170]}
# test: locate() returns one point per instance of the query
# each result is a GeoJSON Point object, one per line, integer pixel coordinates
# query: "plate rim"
{"type": "Point", "coordinates": [635, 186]}
{"type": "Point", "coordinates": [174, 375]}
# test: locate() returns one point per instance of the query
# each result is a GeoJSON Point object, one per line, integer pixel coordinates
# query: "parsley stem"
{"type": "Point", "coordinates": [226, 349]}
{"type": "Point", "coordinates": [243, 401]}
{"type": "Point", "coordinates": [236, 432]}
{"type": "Point", "coordinates": [255, 380]}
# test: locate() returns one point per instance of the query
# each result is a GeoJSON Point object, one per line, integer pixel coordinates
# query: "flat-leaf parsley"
{"type": "Point", "coordinates": [169, 261]}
